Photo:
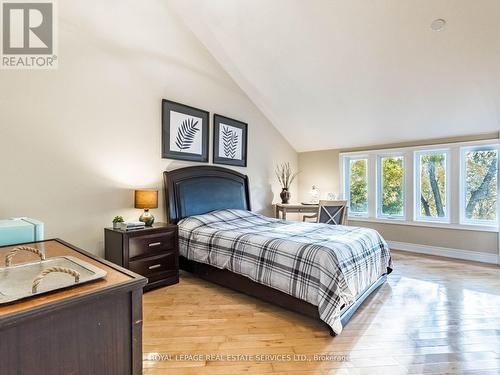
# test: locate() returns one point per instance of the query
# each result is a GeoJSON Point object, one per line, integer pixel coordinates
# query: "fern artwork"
{"type": "Point", "coordinates": [185, 132]}
{"type": "Point", "coordinates": [230, 141]}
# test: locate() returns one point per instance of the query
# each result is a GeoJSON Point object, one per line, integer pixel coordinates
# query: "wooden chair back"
{"type": "Point", "coordinates": [332, 212]}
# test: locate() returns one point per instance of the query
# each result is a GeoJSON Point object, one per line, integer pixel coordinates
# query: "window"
{"type": "Point", "coordinates": [431, 185]}
{"type": "Point", "coordinates": [413, 185]}
{"type": "Point", "coordinates": [391, 187]}
{"type": "Point", "coordinates": [479, 185]}
{"type": "Point", "coordinates": [357, 185]}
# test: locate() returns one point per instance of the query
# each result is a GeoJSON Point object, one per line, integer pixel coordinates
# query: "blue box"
{"type": "Point", "coordinates": [19, 230]}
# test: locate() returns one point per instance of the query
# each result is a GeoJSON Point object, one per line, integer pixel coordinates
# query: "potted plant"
{"type": "Point", "coordinates": [285, 177]}
{"type": "Point", "coordinates": [116, 222]}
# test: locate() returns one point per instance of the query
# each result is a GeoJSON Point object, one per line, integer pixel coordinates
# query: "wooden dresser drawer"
{"type": "Point", "coordinates": [156, 267]}
{"type": "Point", "coordinates": [146, 245]}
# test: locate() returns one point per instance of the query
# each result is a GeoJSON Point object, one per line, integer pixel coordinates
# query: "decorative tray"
{"type": "Point", "coordinates": [32, 279]}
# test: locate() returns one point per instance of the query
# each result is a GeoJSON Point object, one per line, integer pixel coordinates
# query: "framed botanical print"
{"type": "Point", "coordinates": [184, 132]}
{"type": "Point", "coordinates": [230, 141]}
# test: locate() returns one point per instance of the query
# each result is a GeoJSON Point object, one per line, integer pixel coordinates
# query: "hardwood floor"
{"type": "Point", "coordinates": [433, 316]}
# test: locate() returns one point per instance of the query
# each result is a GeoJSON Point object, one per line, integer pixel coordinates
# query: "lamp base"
{"type": "Point", "coordinates": [147, 218]}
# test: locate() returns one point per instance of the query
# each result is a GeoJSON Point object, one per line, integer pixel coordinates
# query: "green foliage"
{"type": "Point", "coordinates": [433, 185]}
{"type": "Point", "coordinates": [359, 185]}
{"type": "Point", "coordinates": [118, 219]}
{"type": "Point", "coordinates": [481, 185]}
{"type": "Point", "coordinates": [392, 185]}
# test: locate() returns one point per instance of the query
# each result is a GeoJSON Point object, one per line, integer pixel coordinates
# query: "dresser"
{"type": "Point", "coordinates": [152, 252]}
{"type": "Point", "coordinates": [92, 328]}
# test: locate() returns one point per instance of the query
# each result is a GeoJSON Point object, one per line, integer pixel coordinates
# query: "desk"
{"type": "Point", "coordinates": [294, 208]}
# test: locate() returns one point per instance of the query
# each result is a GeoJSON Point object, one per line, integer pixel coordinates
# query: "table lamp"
{"type": "Point", "coordinates": [146, 199]}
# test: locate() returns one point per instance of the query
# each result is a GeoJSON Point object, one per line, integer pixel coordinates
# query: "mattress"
{"type": "Point", "coordinates": [325, 265]}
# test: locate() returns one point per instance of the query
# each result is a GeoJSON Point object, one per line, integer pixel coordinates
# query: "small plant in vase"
{"type": "Point", "coordinates": [285, 177]}
{"type": "Point", "coordinates": [116, 222]}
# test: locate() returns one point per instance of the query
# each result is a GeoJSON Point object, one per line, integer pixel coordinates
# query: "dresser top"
{"type": "Point", "coordinates": [116, 277]}
{"type": "Point", "coordinates": [155, 226]}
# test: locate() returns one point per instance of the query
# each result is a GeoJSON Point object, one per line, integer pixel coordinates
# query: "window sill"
{"type": "Point", "coordinates": [476, 228]}
{"type": "Point", "coordinates": [360, 217]}
{"type": "Point", "coordinates": [390, 218]}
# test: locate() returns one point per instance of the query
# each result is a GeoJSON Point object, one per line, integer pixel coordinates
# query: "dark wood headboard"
{"type": "Point", "coordinates": [197, 190]}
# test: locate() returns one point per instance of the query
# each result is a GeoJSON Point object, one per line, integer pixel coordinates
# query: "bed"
{"type": "Point", "coordinates": [319, 270]}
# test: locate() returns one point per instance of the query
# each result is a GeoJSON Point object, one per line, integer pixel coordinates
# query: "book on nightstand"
{"type": "Point", "coordinates": [132, 225]}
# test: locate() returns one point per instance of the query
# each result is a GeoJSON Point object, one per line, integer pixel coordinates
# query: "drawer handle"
{"type": "Point", "coordinates": [154, 244]}
{"type": "Point", "coordinates": [154, 266]}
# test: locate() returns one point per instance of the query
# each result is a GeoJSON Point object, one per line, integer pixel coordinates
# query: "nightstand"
{"type": "Point", "coordinates": [152, 252]}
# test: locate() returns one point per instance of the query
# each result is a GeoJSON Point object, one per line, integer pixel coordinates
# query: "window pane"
{"type": "Point", "coordinates": [433, 185]}
{"type": "Point", "coordinates": [392, 186]}
{"type": "Point", "coordinates": [481, 185]}
{"type": "Point", "coordinates": [358, 185]}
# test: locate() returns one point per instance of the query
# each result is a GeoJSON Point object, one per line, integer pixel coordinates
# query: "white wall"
{"type": "Point", "coordinates": [332, 74]}
{"type": "Point", "coordinates": [76, 141]}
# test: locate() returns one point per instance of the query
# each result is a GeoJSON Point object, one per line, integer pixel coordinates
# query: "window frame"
{"type": "Point", "coordinates": [347, 187]}
{"type": "Point", "coordinates": [380, 177]}
{"type": "Point", "coordinates": [463, 189]}
{"type": "Point", "coordinates": [453, 192]}
{"type": "Point", "coordinates": [416, 188]}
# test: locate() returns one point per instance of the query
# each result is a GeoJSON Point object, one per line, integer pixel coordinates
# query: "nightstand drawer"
{"type": "Point", "coordinates": [155, 266]}
{"type": "Point", "coordinates": [151, 243]}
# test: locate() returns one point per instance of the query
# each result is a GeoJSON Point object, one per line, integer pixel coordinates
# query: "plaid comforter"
{"type": "Point", "coordinates": [325, 265]}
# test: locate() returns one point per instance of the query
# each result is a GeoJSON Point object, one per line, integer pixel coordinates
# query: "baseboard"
{"type": "Point", "coordinates": [445, 252]}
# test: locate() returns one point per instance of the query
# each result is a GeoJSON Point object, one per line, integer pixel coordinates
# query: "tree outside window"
{"type": "Point", "coordinates": [474, 166]}
{"type": "Point", "coordinates": [358, 185]}
{"type": "Point", "coordinates": [432, 187]}
{"type": "Point", "coordinates": [480, 185]}
{"type": "Point", "coordinates": [391, 189]}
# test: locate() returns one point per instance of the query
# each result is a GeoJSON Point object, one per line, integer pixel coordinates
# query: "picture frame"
{"type": "Point", "coordinates": [185, 132]}
{"type": "Point", "coordinates": [230, 141]}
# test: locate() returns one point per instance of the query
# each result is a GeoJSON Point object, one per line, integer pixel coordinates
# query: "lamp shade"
{"type": "Point", "coordinates": [146, 199]}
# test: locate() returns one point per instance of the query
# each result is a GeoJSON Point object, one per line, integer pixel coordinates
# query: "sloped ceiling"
{"type": "Point", "coordinates": [347, 73]}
